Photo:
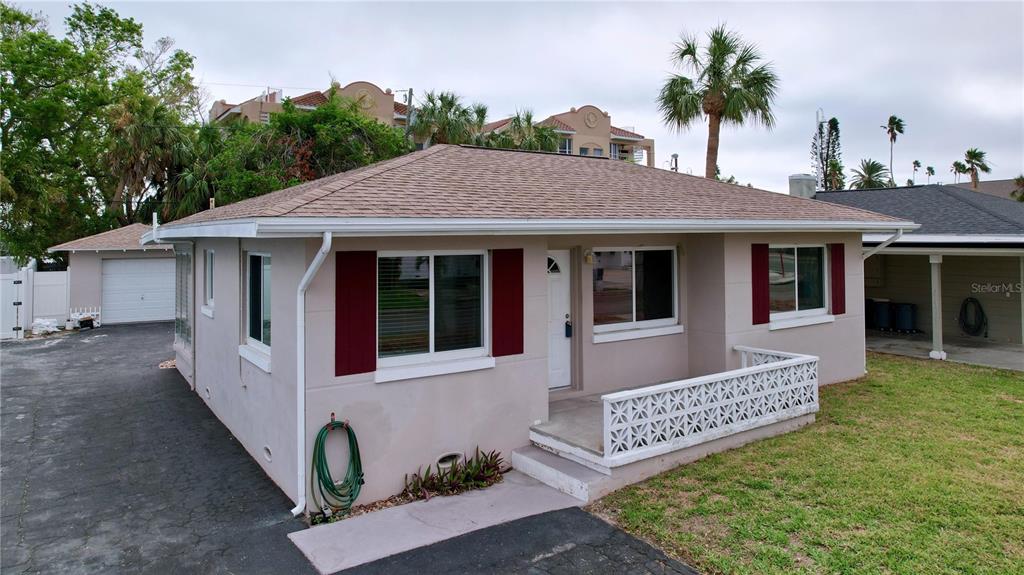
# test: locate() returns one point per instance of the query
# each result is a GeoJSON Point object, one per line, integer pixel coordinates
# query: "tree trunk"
{"type": "Point", "coordinates": [892, 176]}
{"type": "Point", "coordinates": [974, 178]}
{"type": "Point", "coordinates": [714, 128]}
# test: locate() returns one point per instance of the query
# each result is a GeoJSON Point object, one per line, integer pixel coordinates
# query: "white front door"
{"type": "Point", "coordinates": [559, 342]}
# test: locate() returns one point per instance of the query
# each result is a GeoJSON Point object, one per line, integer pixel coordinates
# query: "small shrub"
{"type": "Point", "coordinates": [482, 470]}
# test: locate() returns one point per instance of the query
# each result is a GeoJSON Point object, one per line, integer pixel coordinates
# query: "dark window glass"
{"type": "Point", "coordinates": [458, 305]}
{"type": "Point", "coordinates": [782, 279]}
{"type": "Point", "coordinates": [654, 283]}
{"type": "Point", "coordinates": [613, 287]}
{"type": "Point", "coordinates": [810, 278]}
{"type": "Point", "coordinates": [403, 305]}
{"type": "Point", "coordinates": [259, 298]}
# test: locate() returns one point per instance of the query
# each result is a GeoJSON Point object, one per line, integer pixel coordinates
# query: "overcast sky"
{"type": "Point", "coordinates": [953, 71]}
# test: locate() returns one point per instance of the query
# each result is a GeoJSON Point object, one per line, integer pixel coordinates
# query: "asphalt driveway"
{"type": "Point", "coordinates": [110, 464]}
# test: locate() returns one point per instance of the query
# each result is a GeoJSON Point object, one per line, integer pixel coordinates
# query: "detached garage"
{"type": "Point", "coordinates": [127, 282]}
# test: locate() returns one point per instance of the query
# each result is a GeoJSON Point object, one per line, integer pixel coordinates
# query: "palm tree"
{"type": "Point", "coordinates": [442, 118]}
{"type": "Point", "coordinates": [728, 84]}
{"type": "Point", "coordinates": [893, 127]}
{"type": "Point", "coordinates": [834, 175]}
{"type": "Point", "coordinates": [522, 133]}
{"type": "Point", "coordinates": [974, 160]}
{"type": "Point", "coordinates": [929, 171]}
{"type": "Point", "coordinates": [958, 168]}
{"type": "Point", "coordinates": [917, 166]}
{"type": "Point", "coordinates": [1018, 188]}
{"type": "Point", "coordinates": [870, 174]}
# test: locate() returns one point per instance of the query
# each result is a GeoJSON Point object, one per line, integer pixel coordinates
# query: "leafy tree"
{"type": "Point", "coordinates": [974, 161]}
{"type": "Point", "coordinates": [910, 182]}
{"type": "Point", "coordinates": [825, 149]}
{"type": "Point", "coordinates": [870, 174]}
{"type": "Point", "coordinates": [54, 96]}
{"type": "Point", "coordinates": [522, 133]}
{"type": "Point", "coordinates": [1018, 188]}
{"type": "Point", "coordinates": [958, 168]}
{"type": "Point", "coordinates": [930, 172]}
{"type": "Point", "coordinates": [893, 128]}
{"type": "Point", "coordinates": [728, 83]}
{"type": "Point", "coordinates": [917, 166]}
{"type": "Point", "coordinates": [442, 118]}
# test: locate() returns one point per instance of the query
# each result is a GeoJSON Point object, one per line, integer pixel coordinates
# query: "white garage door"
{"type": "Point", "coordinates": [138, 290]}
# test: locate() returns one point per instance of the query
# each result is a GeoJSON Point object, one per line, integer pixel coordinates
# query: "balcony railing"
{"type": "Point", "coordinates": [772, 386]}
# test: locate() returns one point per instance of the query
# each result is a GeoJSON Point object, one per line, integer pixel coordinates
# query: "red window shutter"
{"type": "Point", "coordinates": [506, 302]}
{"type": "Point", "coordinates": [759, 283]}
{"type": "Point", "coordinates": [837, 273]}
{"type": "Point", "coordinates": [355, 315]}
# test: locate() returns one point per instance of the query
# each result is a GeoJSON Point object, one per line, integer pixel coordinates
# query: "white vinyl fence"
{"type": "Point", "coordinates": [27, 295]}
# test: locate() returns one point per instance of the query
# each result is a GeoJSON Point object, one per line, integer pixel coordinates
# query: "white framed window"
{"type": "Point", "coordinates": [431, 307]}
{"type": "Point", "coordinates": [565, 146]}
{"type": "Point", "coordinates": [797, 281]}
{"type": "Point", "coordinates": [257, 300]}
{"type": "Point", "coordinates": [183, 295]}
{"type": "Point", "coordinates": [584, 151]}
{"type": "Point", "coordinates": [635, 288]}
{"type": "Point", "coordinates": [616, 151]}
{"type": "Point", "coordinates": [599, 152]}
{"type": "Point", "coordinates": [208, 277]}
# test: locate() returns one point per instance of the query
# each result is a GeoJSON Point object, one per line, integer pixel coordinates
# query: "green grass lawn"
{"type": "Point", "coordinates": [916, 468]}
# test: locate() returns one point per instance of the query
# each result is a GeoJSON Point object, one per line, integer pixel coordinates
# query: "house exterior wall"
{"type": "Point", "coordinates": [373, 101]}
{"type": "Point", "coordinates": [258, 407]}
{"type": "Point", "coordinates": [85, 272]}
{"type": "Point", "coordinates": [408, 424]}
{"type": "Point", "coordinates": [907, 279]}
{"type": "Point", "coordinates": [727, 320]}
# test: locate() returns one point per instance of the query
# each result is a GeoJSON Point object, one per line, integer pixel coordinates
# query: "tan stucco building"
{"type": "Point", "coordinates": [621, 317]}
{"type": "Point", "coordinates": [372, 100]}
{"type": "Point", "coordinates": [588, 131]}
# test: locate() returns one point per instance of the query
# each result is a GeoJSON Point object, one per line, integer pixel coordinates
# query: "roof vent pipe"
{"type": "Point", "coordinates": [802, 185]}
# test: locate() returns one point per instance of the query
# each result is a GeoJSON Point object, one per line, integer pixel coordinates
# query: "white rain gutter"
{"type": "Point", "coordinates": [300, 370]}
{"type": "Point", "coordinates": [881, 246]}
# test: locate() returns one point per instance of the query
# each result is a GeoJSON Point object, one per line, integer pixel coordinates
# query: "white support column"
{"type": "Point", "coordinates": [936, 265]}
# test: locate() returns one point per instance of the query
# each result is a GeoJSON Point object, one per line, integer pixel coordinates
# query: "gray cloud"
{"type": "Point", "coordinates": [953, 71]}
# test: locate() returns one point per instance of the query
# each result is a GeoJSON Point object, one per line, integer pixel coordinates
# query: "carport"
{"type": "Point", "coordinates": [955, 283]}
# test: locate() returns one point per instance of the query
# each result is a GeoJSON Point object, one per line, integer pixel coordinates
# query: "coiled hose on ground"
{"type": "Point", "coordinates": [973, 320]}
{"type": "Point", "coordinates": [335, 497]}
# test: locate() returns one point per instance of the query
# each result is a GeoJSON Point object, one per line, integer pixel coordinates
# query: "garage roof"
{"type": "Point", "coordinates": [120, 239]}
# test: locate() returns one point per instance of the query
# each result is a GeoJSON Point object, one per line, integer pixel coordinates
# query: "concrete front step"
{"type": "Point", "coordinates": [566, 476]}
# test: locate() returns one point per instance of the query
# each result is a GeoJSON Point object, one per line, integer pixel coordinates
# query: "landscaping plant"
{"type": "Point", "coordinates": [482, 470]}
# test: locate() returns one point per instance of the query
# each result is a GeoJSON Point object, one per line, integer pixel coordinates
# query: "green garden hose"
{"type": "Point", "coordinates": [335, 497]}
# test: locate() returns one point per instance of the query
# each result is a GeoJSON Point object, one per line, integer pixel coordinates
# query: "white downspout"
{"type": "Point", "coordinates": [300, 370]}
{"type": "Point", "coordinates": [883, 245]}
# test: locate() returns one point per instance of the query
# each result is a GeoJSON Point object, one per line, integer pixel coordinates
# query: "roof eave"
{"type": "Point", "coordinates": [283, 227]}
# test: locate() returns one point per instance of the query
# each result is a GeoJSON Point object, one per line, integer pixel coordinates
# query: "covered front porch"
{"type": "Point", "coordinates": [611, 430]}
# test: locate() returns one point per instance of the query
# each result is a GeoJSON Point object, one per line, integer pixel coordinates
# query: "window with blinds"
{"type": "Point", "coordinates": [429, 304]}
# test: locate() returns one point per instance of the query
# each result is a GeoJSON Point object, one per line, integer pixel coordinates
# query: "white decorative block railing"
{"type": "Point", "coordinates": [772, 386]}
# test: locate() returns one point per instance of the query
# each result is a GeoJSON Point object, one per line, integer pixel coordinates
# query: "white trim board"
{"type": "Point", "coordinates": [284, 227]}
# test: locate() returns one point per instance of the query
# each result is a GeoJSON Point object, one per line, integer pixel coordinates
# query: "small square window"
{"type": "Point", "coordinates": [584, 151]}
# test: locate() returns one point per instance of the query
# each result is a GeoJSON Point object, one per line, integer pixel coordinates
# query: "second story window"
{"type": "Point", "coordinates": [584, 151]}
{"type": "Point", "coordinates": [599, 152]}
{"type": "Point", "coordinates": [565, 146]}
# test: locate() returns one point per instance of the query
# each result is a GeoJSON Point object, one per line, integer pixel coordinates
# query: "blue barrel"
{"type": "Point", "coordinates": [906, 317]}
{"type": "Point", "coordinates": [883, 316]}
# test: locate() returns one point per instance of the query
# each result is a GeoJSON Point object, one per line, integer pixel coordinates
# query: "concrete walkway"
{"type": "Point", "coordinates": [365, 538]}
{"type": "Point", "coordinates": [963, 350]}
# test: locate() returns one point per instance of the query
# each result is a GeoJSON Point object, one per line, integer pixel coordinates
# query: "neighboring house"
{"type": "Point", "coordinates": [970, 245]}
{"type": "Point", "coordinates": [126, 281]}
{"type": "Point", "coordinates": [372, 100]}
{"type": "Point", "coordinates": [459, 297]}
{"type": "Point", "coordinates": [998, 188]}
{"type": "Point", "coordinates": [588, 131]}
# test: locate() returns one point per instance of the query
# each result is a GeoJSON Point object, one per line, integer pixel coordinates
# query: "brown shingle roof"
{"type": "Point", "coordinates": [468, 182]}
{"type": "Point", "coordinates": [625, 133]}
{"type": "Point", "coordinates": [125, 238]}
{"type": "Point", "coordinates": [313, 98]}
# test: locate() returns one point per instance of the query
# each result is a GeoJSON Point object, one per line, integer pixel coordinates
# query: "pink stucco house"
{"type": "Point", "coordinates": [594, 320]}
